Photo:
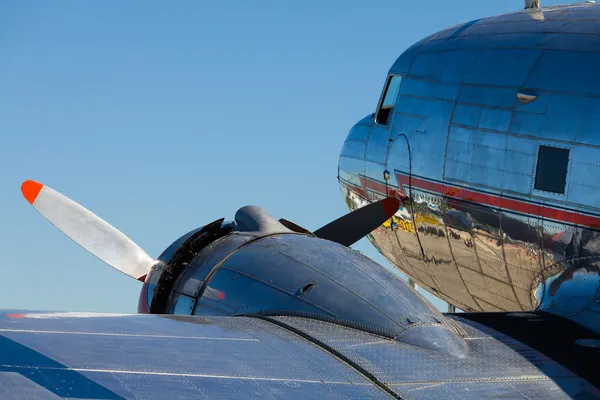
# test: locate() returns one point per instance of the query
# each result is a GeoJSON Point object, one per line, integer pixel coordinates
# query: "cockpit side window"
{"type": "Point", "coordinates": [386, 106]}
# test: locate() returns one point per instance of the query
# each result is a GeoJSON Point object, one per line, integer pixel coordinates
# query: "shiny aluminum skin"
{"type": "Point", "coordinates": [117, 357]}
{"type": "Point", "coordinates": [460, 148]}
{"type": "Point", "coordinates": [260, 267]}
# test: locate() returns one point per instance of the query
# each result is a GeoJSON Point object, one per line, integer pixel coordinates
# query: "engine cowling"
{"type": "Point", "coordinates": [257, 266]}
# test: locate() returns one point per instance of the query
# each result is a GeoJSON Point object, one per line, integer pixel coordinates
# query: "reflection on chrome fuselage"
{"type": "Point", "coordinates": [489, 134]}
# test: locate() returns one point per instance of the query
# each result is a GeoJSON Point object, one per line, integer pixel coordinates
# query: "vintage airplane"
{"type": "Point", "coordinates": [264, 308]}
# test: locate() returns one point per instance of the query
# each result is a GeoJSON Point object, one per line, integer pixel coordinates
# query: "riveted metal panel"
{"type": "Point", "coordinates": [579, 13]}
{"type": "Point", "coordinates": [521, 154]}
{"type": "Point", "coordinates": [445, 91]}
{"type": "Point", "coordinates": [549, 73]}
{"type": "Point", "coordinates": [145, 356]}
{"type": "Point", "coordinates": [493, 358]}
{"type": "Point", "coordinates": [408, 124]}
{"type": "Point", "coordinates": [476, 157]}
{"type": "Point", "coordinates": [559, 243]}
{"type": "Point", "coordinates": [428, 148]}
{"type": "Point", "coordinates": [518, 40]}
{"type": "Point", "coordinates": [502, 67]}
{"type": "Point", "coordinates": [563, 115]}
{"type": "Point", "coordinates": [400, 155]}
{"type": "Point", "coordinates": [498, 120]}
{"type": "Point", "coordinates": [428, 66]}
{"type": "Point", "coordinates": [378, 144]}
{"type": "Point", "coordinates": [350, 169]}
{"type": "Point", "coordinates": [523, 251]}
{"type": "Point", "coordinates": [435, 238]}
{"type": "Point", "coordinates": [463, 42]}
{"type": "Point", "coordinates": [466, 115]}
{"type": "Point", "coordinates": [359, 133]}
{"type": "Point", "coordinates": [404, 62]}
{"type": "Point", "coordinates": [561, 41]}
{"type": "Point", "coordinates": [488, 96]}
{"type": "Point", "coordinates": [416, 87]}
{"type": "Point", "coordinates": [434, 46]}
{"type": "Point", "coordinates": [539, 390]}
{"type": "Point", "coordinates": [489, 251]}
{"type": "Point", "coordinates": [374, 170]}
{"type": "Point", "coordinates": [413, 106]}
{"type": "Point", "coordinates": [583, 188]}
{"type": "Point", "coordinates": [527, 124]}
{"type": "Point", "coordinates": [501, 298]}
{"type": "Point", "coordinates": [589, 128]}
{"type": "Point", "coordinates": [459, 145]}
{"type": "Point", "coordinates": [458, 65]}
{"type": "Point", "coordinates": [460, 227]}
{"type": "Point", "coordinates": [352, 148]}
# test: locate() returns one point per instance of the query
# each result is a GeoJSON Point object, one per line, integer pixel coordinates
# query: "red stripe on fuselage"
{"type": "Point", "coordinates": [481, 198]}
{"type": "Point", "coordinates": [375, 186]}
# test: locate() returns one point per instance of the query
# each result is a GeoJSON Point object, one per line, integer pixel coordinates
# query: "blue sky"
{"type": "Point", "coordinates": [163, 116]}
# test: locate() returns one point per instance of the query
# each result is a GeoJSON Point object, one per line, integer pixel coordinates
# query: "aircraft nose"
{"type": "Point", "coordinates": [360, 130]}
{"type": "Point", "coordinates": [351, 162]}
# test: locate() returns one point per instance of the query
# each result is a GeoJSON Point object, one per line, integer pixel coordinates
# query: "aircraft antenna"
{"type": "Point", "coordinates": [532, 4]}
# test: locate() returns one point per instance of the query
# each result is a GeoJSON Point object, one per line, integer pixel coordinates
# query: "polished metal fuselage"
{"type": "Point", "coordinates": [461, 149]}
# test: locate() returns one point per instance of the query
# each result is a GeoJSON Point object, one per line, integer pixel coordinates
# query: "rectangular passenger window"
{"type": "Point", "coordinates": [389, 100]}
{"type": "Point", "coordinates": [551, 174]}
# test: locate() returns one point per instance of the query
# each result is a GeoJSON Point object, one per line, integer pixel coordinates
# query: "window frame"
{"type": "Point", "coordinates": [388, 81]}
{"type": "Point", "coordinates": [545, 193]}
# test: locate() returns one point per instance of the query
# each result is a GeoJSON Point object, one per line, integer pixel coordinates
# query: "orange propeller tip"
{"type": "Point", "coordinates": [30, 190]}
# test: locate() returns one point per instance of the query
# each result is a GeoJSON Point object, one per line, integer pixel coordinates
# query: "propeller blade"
{"type": "Point", "coordinates": [88, 230]}
{"type": "Point", "coordinates": [292, 226]}
{"type": "Point", "coordinates": [353, 226]}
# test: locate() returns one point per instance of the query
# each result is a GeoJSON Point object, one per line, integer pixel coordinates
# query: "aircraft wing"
{"type": "Point", "coordinates": [110, 356]}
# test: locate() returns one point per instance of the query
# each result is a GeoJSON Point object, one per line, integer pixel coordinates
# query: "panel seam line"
{"type": "Point", "coordinates": [369, 376]}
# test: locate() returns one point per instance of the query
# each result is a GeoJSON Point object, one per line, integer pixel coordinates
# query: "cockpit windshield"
{"type": "Point", "coordinates": [389, 99]}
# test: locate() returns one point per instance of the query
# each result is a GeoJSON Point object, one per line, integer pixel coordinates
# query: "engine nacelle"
{"type": "Point", "coordinates": [257, 266]}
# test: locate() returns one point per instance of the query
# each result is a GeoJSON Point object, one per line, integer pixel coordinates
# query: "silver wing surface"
{"type": "Point", "coordinates": [109, 356]}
